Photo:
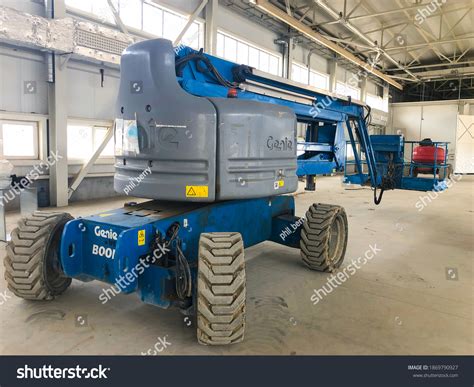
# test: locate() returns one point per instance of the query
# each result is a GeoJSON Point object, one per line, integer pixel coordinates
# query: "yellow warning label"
{"type": "Point", "coordinates": [197, 191]}
{"type": "Point", "coordinates": [281, 183]}
{"type": "Point", "coordinates": [141, 237]}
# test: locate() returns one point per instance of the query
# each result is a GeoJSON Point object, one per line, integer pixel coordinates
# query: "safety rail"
{"type": "Point", "coordinates": [402, 172]}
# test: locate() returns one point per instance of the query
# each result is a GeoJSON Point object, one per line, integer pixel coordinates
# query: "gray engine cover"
{"type": "Point", "coordinates": [256, 149]}
{"type": "Point", "coordinates": [198, 149]}
{"type": "Point", "coordinates": [177, 137]}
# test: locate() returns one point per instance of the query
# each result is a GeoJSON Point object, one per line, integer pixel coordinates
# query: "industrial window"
{"type": "Point", "coordinates": [84, 139]}
{"type": "Point", "coordinates": [146, 16]}
{"type": "Point", "coordinates": [131, 12]}
{"type": "Point", "coordinates": [99, 8]}
{"type": "Point", "coordinates": [376, 102]}
{"type": "Point", "coordinates": [347, 90]}
{"type": "Point", "coordinates": [299, 73]}
{"type": "Point", "coordinates": [236, 50]}
{"type": "Point", "coordinates": [316, 79]}
{"type": "Point", "coordinates": [19, 139]}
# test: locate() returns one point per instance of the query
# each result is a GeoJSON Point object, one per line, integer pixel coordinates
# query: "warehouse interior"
{"type": "Point", "coordinates": [59, 80]}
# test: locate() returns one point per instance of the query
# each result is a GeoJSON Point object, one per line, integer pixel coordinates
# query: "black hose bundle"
{"type": "Point", "coordinates": [183, 274]}
{"type": "Point", "coordinates": [368, 116]}
{"type": "Point", "coordinates": [199, 57]}
{"type": "Point", "coordinates": [183, 271]}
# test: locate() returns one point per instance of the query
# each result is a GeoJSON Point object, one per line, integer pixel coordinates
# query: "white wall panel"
{"type": "Point", "coordinates": [465, 145]}
{"type": "Point", "coordinates": [18, 66]}
{"type": "Point", "coordinates": [86, 97]}
{"type": "Point", "coordinates": [435, 120]}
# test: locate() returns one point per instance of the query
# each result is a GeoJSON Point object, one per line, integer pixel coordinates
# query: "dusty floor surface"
{"type": "Point", "coordinates": [403, 301]}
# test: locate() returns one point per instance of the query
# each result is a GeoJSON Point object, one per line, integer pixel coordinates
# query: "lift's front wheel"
{"type": "Point", "coordinates": [324, 237]}
{"type": "Point", "coordinates": [32, 266]}
{"type": "Point", "coordinates": [221, 289]}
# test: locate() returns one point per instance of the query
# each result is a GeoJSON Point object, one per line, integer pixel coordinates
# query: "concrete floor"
{"type": "Point", "coordinates": [401, 302]}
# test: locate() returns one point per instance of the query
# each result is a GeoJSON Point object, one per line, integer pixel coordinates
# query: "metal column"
{"type": "Point", "coordinates": [210, 41]}
{"type": "Point", "coordinates": [332, 75]}
{"type": "Point", "coordinates": [57, 97]}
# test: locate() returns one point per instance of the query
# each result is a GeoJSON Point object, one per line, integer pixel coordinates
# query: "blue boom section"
{"type": "Point", "coordinates": [377, 161]}
{"type": "Point", "coordinates": [324, 114]}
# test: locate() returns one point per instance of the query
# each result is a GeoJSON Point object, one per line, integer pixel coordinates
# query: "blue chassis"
{"type": "Point", "coordinates": [257, 220]}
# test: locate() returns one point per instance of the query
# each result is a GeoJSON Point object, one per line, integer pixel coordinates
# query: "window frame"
{"type": "Point", "coordinates": [383, 102]}
{"type": "Point", "coordinates": [311, 71]}
{"type": "Point", "coordinates": [302, 67]}
{"type": "Point", "coordinates": [141, 32]}
{"type": "Point", "coordinates": [250, 44]}
{"type": "Point", "coordinates": [325, 76]}
{"type": "Point", "coordinates": [347, 86]}
{"type": "Point", "coordinates": [35, 139]}
{"type": "Point", "coordinates": [93, 124]}
{"type": "Point", "coordinates": [40, 136]}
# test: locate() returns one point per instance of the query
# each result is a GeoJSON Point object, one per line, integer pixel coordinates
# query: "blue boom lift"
{"type": "Point", "coordinates": [213, 144]}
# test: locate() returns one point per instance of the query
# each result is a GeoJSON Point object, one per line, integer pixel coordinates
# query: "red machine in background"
{"type": "Point", "coordinates": [431, 154]}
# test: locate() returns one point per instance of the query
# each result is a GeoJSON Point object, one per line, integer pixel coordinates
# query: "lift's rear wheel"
{"type": "Point", "coordinates": [32, 266]}
{"type": "Point", "coordinates": [221, 289]}
{"type": "Point", "coordinates": [324, 237]}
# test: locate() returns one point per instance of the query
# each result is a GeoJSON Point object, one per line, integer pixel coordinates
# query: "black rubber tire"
{"type": "Point", "coordinates": [221, 289]}
{"type": "Point", "coordinates": [324, 237]}
{"type": "Point", "coordinates": [32, 267]}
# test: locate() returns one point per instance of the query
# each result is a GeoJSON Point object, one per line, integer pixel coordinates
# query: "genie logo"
{"type": "Point", "coordinates": [107, 234]}
{"type": "Point", "coordinates": [279, 145]}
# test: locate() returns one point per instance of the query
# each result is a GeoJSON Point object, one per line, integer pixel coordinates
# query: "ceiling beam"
{"type": "Point", "coordinates": [316, 37]}
{"type": "Point", "coordinates": [373, 14]}
{"type": "Point", "coordinates": [419, 45]}
{"type": "Point", "coordinates": [427, 66]}
{"type": "Point", "coordinates": [352, 28]}
{"type": "Point", "coordinates": [445, 74]}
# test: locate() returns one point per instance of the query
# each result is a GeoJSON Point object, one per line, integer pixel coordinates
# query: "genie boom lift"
{"type": "Point", "coordinates": [218, 143]}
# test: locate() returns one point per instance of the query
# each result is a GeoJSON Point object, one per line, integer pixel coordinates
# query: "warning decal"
{"type": "Point", "coordinates": [197, 191]}
{"type": "Point", "coordinates": [105, 215]}
{"type": "Point", "coordinates": [141, 237]}
{"type": "Point", "coordinates": [278, 184]}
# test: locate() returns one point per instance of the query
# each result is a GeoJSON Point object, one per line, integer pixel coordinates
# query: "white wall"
{"type": "Point", "coordinates": [86, 96]}
{"type": "Point", "coordinates": [419, 120]}
{"type": "Point", "coordinates": [16, 67]}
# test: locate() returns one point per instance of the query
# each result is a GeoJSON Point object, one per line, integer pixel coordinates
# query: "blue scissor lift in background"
{"type": "Point", "coordinates": [190, 254]}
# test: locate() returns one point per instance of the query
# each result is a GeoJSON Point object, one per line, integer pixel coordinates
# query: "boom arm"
{"type": "Point", "coordinates": [327, 117]}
